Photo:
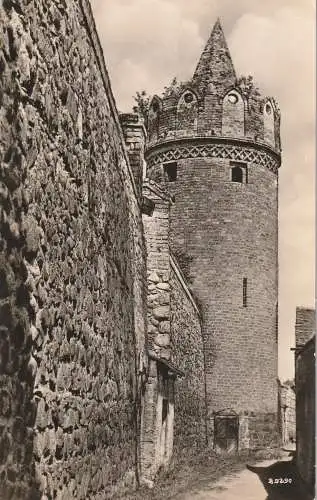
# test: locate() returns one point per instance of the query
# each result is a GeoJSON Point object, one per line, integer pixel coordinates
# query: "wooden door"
{"type": "Point", "coordinates": [226, 433]}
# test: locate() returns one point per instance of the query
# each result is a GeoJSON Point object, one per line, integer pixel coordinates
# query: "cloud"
{"type": "Point", "coordinates": [148, 42]}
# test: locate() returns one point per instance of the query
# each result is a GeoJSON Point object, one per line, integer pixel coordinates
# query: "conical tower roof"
{"type": "Point", "coordinates": [215, 65]}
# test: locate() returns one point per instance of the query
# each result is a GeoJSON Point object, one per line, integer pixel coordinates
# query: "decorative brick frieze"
{"type": "Point", "coordinates": [246, 153]}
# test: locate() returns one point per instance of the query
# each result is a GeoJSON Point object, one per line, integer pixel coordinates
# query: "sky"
{"type": "Point", "coordinates": [148, 42]}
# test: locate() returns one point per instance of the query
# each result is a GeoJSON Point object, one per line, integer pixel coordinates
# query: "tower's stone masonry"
{"type": "Point", "coordinates": [214, 144]}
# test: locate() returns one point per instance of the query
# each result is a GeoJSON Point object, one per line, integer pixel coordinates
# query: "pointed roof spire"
{"type": "Point", "coordinates": [215, 64]}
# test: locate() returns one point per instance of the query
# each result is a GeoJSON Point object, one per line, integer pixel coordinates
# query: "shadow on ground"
{"type": "Point", "coordinates": [282, 481]}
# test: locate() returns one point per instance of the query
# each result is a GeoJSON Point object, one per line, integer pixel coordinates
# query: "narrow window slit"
{"type": "Point", "coordinates": [239, 172]}
{"type": "Point", "coordinates": [170, 170]}
{"type": "Point", "coordinates": [245, 291]}
{"type": "Point", "coordinates": [164, 410]}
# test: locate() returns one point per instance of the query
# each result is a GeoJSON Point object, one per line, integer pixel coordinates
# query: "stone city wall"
{"type": "Point", "coordinates": [174, 334]}
{"type": "Point", "coordinates": [156, 229]}
{"type": "Point", "coordinates": [72, 257]}
{"type": "Point", "coordinates": [305, 335]}
{"type": "Point", "coordinates": [188, 356]}
{"type": "Point", "coordinates": [305, 412]}
{"type": "Point", "coordinates": [305, 394]}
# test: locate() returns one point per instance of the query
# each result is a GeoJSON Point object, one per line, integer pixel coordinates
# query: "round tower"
{"type": "Point", "coordinates": [214, 143]}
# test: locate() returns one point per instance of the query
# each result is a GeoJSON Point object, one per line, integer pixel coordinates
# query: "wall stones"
{"type": "Point", "coordinates": [159, 315]}
{"type": "Point", "coordinates": [158, 269]}
{"type": "Point", "coordinates": [161, 312]}
{"type": "Point", "coordinates": [72, 261]}
{"type": "Point", "coordinates": [134, 135]}
{"type": "Point", "coordinates": [17, 366]}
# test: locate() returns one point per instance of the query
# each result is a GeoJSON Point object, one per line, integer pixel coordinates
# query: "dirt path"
{"type": "Point", "coordinates": [244, 485]}
{"type": "Point", "coordinates": [229, 478]}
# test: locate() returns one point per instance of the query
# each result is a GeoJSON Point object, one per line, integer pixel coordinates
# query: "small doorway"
{"type": "Point", "coordinates": [226, 432]}
{"type": "Point", "coordinates": [164, 434]}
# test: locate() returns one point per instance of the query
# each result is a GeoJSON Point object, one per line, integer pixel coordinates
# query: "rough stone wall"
{"type": "Point", "coordinates": [134, 134]}
{"type": "Point", "coordinates": [156, 228]}
{"type": "Point", "coordinates": [71, 250]}
{"type": "Point", "coordinates": [305, 412]}
{"type": "Point", "coordinates": [188, 356]}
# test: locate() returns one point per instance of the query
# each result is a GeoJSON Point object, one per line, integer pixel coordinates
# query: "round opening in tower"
{"type": "Point", "coordinates": [188, 97]}
{"type": "Point", "coordinates": [268, 109]}
{"type": "Point", "coordinates": [233, 98]}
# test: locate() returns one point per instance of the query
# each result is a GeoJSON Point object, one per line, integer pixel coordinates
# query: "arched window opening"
{"type": "Point", "coordinates": [187, 112]}
{"type": "Point", "coordinates": [239, 172]}
{"type": "Point", "coordinates": [269, 123]}
{"type": "Point", "coordinates": [170, 170]}
{"type": "Point", "coordinates": [153, 119]}
{"type": "Point", "coordinates": [268, 109]}
{"type": "Point", "coordinates": [233, 115]}
{"type": "Point", "coordinates": [233, 98]}
{"type": "Point", "coordinates": [188, 97]}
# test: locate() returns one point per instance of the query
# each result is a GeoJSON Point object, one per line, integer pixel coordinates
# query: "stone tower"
{"type": "Point", "coordinates": [214, 143]}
